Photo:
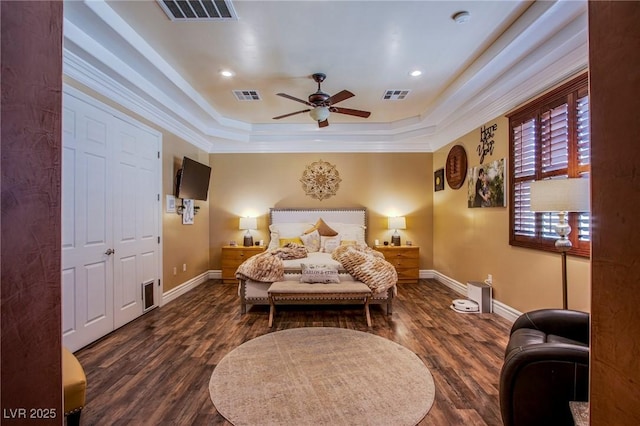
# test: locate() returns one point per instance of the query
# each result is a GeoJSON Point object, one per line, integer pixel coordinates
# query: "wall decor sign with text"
{"type": "Point", "coordinates": [485, 147]}
{"type": "Point", "coordinates": [320, 180]}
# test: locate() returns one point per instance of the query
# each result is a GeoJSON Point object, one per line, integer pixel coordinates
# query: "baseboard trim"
{"type": "Point", "coordinates": [185, 287]}
{"type": "Point", "coordinates": [499, 308]}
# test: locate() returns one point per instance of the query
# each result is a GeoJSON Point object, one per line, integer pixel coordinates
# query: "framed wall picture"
{"type": "Point", "coordinates": [188, 212]}
{"type": "Point", "coordinates": [438, 179]}
{"type": "Point", "coordinates": [487, 185]}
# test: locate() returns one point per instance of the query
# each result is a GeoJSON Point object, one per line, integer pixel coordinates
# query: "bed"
{"type": "Point", "coordinates": [292, 226]}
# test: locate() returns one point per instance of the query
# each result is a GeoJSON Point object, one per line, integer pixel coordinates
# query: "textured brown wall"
{"type": "Point", "coordinates": [614, 52]}
{"type": "Point", "coordinates": [30, 242]}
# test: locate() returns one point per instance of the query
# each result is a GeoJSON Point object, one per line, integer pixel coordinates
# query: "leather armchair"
{"type": "Point", "coordinates": [546, 365]}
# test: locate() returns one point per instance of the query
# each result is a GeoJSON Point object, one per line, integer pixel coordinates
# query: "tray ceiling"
{"type": "Point", "coordinates": [169, 70]}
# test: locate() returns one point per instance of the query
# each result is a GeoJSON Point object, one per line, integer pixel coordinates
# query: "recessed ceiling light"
{"type": "Point", "coordinates": [415, 73]}
{"type": "Point", "coordinates": [461, 17]}
{"type": "Point", "coordinates": [227, 73]}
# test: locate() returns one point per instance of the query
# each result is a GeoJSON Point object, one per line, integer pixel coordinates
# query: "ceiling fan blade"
{"type": "Point", "coordinates": [340, 96]}
{"type": "Point", "coordinates": [349, 111]}
{"type": "Point", "coordinates": [290, 114]}
{"type": "Point", "coordinates": [323, 123]}
{"type": "Point", "coordinates": [284, 95]}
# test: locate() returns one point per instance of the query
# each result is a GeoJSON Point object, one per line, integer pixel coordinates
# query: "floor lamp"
{"type": "Point", "coordinates": [561, 196]}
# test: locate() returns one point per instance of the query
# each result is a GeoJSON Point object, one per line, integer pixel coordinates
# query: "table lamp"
{"type": "Point", "coordinates": [395, 223]}
{"type": "Point", "coordinates": [561, 196]}
{"type": "Point", "coordinates": [248, 223]}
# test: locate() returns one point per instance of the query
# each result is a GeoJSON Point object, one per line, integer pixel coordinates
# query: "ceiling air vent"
{"type": "Point", "coordinates": [199, 10]}
{"type": "Point", "coordinates": [395, 95]}
{"type": "Point", "coordinates": [247, 95]}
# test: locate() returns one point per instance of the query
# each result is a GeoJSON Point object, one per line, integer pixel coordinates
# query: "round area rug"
{"type": "Point", "coordinates": [321, 375]}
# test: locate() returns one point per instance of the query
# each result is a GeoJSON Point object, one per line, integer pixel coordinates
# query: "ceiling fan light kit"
{"type": "Point", "coordinates": [319, 113]}
{"type": "Point", "coordinates": [321, 104]}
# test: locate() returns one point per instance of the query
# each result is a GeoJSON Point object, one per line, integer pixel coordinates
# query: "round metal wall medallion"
{"type": "Point", "coordinates": [320, 180]}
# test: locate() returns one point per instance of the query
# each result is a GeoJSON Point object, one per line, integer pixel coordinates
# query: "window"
{"type": "Point", "coordinates": [549, 139]}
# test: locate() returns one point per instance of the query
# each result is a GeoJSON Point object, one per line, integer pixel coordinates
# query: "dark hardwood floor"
{"type": "Point", "coordinates": [156, 369]}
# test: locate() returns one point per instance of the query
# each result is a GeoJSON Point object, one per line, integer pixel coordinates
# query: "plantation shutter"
{"type": "Point", "coordinates": [583, 138]}
{"type": "Point", "coordinates": [554, 132]}
{"type": "Point", "coordinates": [583, 135]}
{"type": "Point", "coordinates": [549, 139]}
{"type": "Point", "coordinates": [524, 136]}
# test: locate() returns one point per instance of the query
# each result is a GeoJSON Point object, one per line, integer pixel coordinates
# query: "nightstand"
{"type": "Point", "coordinates": [406, 260]}
{"type": "Point", "coordinates": [232, 257]}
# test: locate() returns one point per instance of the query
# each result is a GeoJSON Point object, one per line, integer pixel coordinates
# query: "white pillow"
{"type": "Point", "coordinates": [329, 244]}
{"type": "Point", "coordinates": [350, 231]}
{"type": "Point", "coordinates": [311, 241]}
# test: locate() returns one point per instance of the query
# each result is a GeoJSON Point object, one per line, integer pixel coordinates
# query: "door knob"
{"type": "Point", "coordinates": [109, 252]}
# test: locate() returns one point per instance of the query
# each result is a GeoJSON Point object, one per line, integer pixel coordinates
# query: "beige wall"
{"type": "Point", "coordinates": [183, 244]}
{"type": "Point", "coordinates": [386, 184]}
{"type": "Point", "coordinates": [180, 243]}
{"type": "Point", "coordinates": [470, 243]}
{"type": "Point", "coordinates": [461, 243]}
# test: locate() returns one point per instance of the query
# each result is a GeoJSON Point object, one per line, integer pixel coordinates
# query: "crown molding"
{"type": "Point", "coordinates": [545, 46]}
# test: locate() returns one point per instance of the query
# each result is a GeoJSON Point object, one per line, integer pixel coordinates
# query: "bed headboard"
{"type": "Point", "coordinates": [356, 215]}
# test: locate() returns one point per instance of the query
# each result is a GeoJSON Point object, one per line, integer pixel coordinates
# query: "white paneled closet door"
{"type": "Point", "coordinates": [110, 219]}
{"type": "Point", "coordinates": [135, 224]}
{"type": "Point", "coordinates": [87, 271]}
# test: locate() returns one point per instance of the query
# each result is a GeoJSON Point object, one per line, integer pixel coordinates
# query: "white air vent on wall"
{"type": "Point", "coordinates": [199, 10]}
{"type": "Point", "coordinates": [395, 95]}
{"type": "Point", "coordinates": [247, 95]}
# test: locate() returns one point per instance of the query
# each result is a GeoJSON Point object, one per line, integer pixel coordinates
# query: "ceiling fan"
{"type": "Point", "coordinates": [322, 104]}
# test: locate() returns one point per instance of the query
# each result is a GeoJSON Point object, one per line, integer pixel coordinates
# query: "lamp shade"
{"type": "Point", "coordinates": [398, 222]}
{"type": "Point", "coordinates": [560, 195]}
{"type": "Point", "coordinates": [248, 223]}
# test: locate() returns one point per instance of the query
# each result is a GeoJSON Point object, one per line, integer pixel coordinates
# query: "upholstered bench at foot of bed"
{"type": "Point", "coordinates": [295, 292]}
{"type": "Point", "coordinates": [255, 293]}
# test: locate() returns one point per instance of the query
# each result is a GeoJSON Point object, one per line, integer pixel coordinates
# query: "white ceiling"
{"type": "Point", "coordinates": [168, 71]}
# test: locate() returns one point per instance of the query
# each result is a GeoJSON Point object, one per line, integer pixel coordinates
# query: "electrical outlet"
{"type": "Point", "coordinates": [175, 270]}
{"type": "Point", "coordinates": [184, 267]}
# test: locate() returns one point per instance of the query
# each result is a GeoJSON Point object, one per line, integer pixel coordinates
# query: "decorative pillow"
{"type": "Point", "coordinates": [323, 229]}
{"type": "Point", "coordinates": [285, 230]}
{"type": "Point", "coordinates": [329, 244]}
{"type": "Point", "coordinates": [350, 231]}
{"type": "Point", "coordinates": [319, 273]}
{"type": "Point", "coordinates": [311, 241]}
{"type": "Point", "coordinates": [284, 241]}
{"type": "Point", "coordinates": [348, 243]}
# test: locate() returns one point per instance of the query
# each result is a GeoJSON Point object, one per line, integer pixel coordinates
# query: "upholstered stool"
{"type": "Point", "coordinates": [74, 383]}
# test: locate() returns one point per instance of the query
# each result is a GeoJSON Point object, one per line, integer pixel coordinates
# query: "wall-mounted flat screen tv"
{"type": "Point", "coordinates": [193, 180]}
